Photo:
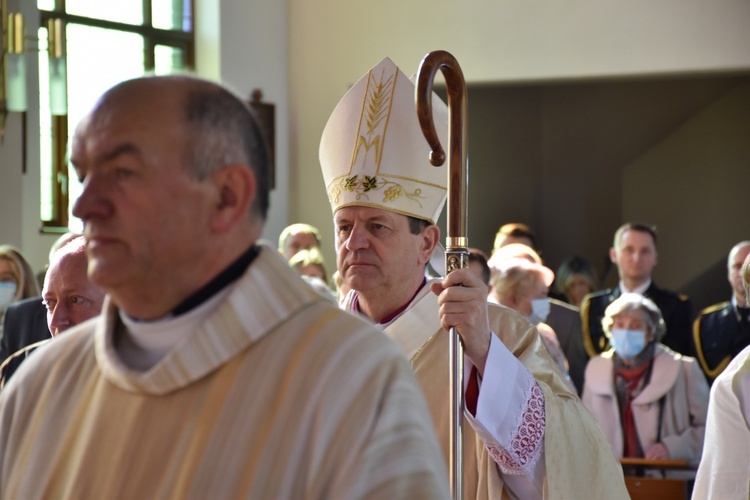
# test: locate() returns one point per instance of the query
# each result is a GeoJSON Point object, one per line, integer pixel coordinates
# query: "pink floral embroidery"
{"type": "Point", "coordinates": [525, 446]}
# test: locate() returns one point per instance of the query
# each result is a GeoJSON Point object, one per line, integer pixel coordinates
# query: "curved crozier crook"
{"type": "Point", "coordinates": [457, 101]}
{"type": "Point", "coordinates": [457, 134]}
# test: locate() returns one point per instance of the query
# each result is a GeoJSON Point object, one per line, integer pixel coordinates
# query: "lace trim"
{"type": "Point", "coordinates": [525, 447]}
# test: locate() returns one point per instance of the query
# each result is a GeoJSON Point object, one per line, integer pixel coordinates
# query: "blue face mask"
{"type": "Point", "coordinates": [7, 294]}
{"type": "Point", "coordinates": [628, 343]}
{"type": "Point", "coordinates": [539, 311]}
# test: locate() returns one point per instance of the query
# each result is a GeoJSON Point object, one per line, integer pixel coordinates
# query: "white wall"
{"type": "Point", "coordinates": [695, 182]}
{"type": "Point", "coordinates": [254, 54]}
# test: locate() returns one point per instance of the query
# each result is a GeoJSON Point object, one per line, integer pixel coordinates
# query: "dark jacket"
{"type": "Point", "coordinates": [24, 323]}
{"type": "Point", "coordinates": [718, 337]}
{"type": "Point", "coordinates": [565, 320]}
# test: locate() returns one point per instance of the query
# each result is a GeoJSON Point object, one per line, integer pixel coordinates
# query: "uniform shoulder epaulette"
{"type": "Point", "coordinates": [711, 372]}
{"type": "Point", "coordinates": [683, 297]}
{"type": "Point", "coordinates": [714, 308]}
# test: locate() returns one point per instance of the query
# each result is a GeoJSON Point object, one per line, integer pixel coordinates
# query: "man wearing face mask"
{"type": "Point", "coordinates": [650, 401]}
{"type": "Point", "coordinates": [523, 286]}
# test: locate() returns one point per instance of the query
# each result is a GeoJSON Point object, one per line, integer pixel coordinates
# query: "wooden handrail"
{"type": "Point", "coordinates": [656, 463]}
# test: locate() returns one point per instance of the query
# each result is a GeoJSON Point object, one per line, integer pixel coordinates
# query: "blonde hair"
{"type": "Point", "coordinates": [514, 279]}
{"type": "Point", "coordinates": [24, 276]}
{"type": "Point", "coordinates": [299, 227]}
{"type": "Point", "coordinates": [311, 256]}
{"type": "Point", "coordinates": [571, 267]}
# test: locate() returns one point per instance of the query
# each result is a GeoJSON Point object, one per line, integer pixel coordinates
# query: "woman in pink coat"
{"type": "Point", "coordinates": [650, 401]}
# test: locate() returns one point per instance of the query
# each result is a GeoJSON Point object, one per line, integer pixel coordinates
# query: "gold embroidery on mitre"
{"type": "Point", "coordinates": [373, 122]}
{"type": "Point", "coordinates": [365, 184]}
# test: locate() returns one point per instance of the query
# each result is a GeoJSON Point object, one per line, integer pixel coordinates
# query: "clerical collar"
{"type": "Point", "coordinates": [224, 278]}
{"type": "Point", "coordinates": [392, 316]}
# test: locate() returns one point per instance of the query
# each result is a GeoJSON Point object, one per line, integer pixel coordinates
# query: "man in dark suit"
{"type": "Point", "coordinates": [69, 298]}
{"type": "Point", "coordinates": [634, 254]}
{"type": "Point", "coordinates": [722, 330]}
{"type": "Point", "coordinates": [24, 323]}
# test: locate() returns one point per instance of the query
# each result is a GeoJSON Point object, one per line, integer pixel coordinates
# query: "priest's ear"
{"type": "Point", "coordinates": [429, 237]}
{"type": "Point", "coordinates": [236, 189]}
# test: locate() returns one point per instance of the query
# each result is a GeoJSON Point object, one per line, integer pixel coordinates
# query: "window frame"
{"type": "Point", "coordinates": [182, 40]}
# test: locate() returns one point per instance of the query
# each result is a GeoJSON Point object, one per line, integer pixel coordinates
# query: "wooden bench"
{"type": "Point", "coordinates": [649, 488]}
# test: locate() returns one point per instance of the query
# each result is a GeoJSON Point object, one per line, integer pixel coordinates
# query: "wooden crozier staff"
{"type": "Point", "coordinates": [457, 252]}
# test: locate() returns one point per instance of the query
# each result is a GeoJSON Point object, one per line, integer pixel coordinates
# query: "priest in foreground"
{"type": "Point", "coordinates": [529, 435]}
{"type": "Point", "coordinates": [213, 370]}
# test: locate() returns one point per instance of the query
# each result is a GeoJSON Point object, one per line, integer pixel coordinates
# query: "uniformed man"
{"type": "Point", "coordinates": [634, 254]}
{"type": "Point", "coordinates": [722, 330]}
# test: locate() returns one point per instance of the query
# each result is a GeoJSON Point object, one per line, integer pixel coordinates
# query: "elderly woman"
{"type": "Point", "coordinates": [650, 401]}
{"type": "Point", "coordinates": [523, 286]}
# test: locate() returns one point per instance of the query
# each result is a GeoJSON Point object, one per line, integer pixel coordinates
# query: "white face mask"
{"type": "Point", "coordinates": [539, 310]}
{"type": "Point", "coordinates": [7, 294]}
{"type": "Point", "coordinates": [628, 343]}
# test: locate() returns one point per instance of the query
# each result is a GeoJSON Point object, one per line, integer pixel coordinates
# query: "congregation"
{"type": "Point", "coordinates": [563, 379]}
{"type": "Point", "coordinates": [649, 392]}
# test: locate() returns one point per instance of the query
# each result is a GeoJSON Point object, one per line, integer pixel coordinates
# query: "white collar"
{"type": "Point", "coordinates": [639, 289]}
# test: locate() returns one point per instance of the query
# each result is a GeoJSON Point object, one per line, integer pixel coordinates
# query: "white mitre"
{"type": "Point", "coordinates": [373, 152]}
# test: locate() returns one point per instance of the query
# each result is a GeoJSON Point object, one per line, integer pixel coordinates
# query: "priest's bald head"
{"type": "Point", "coordinates": [175, 188]}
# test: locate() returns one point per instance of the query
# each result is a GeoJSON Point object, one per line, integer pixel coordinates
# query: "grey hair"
{"type": "Point", "coordinates": [633, 302]}
{"type": "Point", "coordinates": [223, 131]}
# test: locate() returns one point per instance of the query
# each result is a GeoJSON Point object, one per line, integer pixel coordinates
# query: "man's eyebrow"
{"type": "Point", "coordinates": [380, 219]}
{"type": "Point", "coordinates": [112, 153]}
{"type": "Point", "coordinates": [118, 150]}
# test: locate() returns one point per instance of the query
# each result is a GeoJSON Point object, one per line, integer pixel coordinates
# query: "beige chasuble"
{"type": "Point", "coordinates": [724, 471]}
{"type": "Point", "coordinates": [278, 394]}
{"type": "Point", "coordinates": [579, 461]}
